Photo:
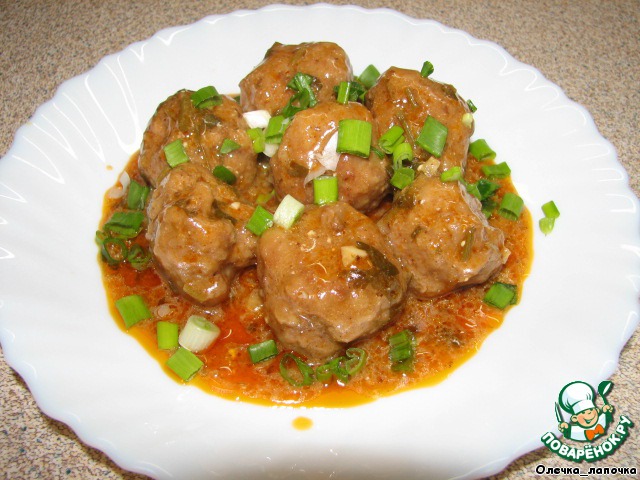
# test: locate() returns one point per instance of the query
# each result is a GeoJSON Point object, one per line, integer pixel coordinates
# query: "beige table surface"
{"type": "Point", "coordinates": [590, 48]}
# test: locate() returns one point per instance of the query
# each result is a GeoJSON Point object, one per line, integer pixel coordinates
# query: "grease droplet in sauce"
{"type": "Point", "coordinates": [302, 423]}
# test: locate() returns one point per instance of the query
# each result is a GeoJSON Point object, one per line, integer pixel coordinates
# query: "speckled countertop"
{"type": "Point", "coordinates": [590, 48]}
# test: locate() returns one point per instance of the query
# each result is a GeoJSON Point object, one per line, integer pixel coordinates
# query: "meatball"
{"type": "Point", "coordinates": [441, 236]}
{"type": "Point", "coordinates": [329, 280]}
{"type": "Point", "coordinates": [406, 98]}
{"type": "Point", "coordinates": [362, 182]}
{"type": "Point", "coordinates": [265, 87]}
{"type": "Point", "coordinates": [197, 235]}
{"type": "Point", "coordinates": [202, 131]}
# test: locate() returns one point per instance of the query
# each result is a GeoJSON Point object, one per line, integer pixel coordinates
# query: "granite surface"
{"type": "Point", "coordinates": [590, 48]}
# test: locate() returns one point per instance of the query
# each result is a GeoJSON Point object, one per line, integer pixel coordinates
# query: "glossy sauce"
{"type": "Point", "coordinates": [448, 330]}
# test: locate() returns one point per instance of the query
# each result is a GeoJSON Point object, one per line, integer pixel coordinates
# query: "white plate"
{"type": "Point", "coordinates": [57, 333]}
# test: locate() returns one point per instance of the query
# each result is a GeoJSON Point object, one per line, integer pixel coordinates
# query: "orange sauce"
{"type": "Point", "coordinates": [449, 330]}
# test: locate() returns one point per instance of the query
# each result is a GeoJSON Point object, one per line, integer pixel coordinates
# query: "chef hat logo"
{"type": "Point", "coordinates": [577, 397]}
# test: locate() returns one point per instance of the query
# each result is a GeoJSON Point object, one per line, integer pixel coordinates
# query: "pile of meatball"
{"type": "Point", "coordinates": [344, 269]}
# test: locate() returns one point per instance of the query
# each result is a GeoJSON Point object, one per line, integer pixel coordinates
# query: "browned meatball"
{"type": "Point", "coordinates": [441, 236]}
{"type": "Point", "coordinates": [197, 235]}
{"type": "Point", "coordinates": [265, 88]}
{"type": "Point", "coordinates": [329, 280]}
{"type": "Point", "coordinates": [362, 182]}
{"type": "Point", "coordinates": [405, 98]}
{"type": "Point", "coordinates": [202, 131]}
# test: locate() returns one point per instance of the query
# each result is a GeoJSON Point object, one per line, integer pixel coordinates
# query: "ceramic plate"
{"type": "Point", "coordinates": [56, 330]}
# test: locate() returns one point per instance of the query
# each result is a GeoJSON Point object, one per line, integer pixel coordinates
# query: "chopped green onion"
{"type": "Point", "coordinates": [402, 152]}
{"type": "Point", "coordinates": [501, 295]}
{"type": "Point", "coordinates": [184, 363]}
{"type": "Point", "coordinates": [288, 212]}
{"type": "Point", "coordinates": [547, 224]}
{"type": "Point", "coordinates": [467, 120]}
{"type": "Point", "coordinates": [354, 137]}
{"type": "Point", "coordinates": [137, 195]}
{"type": "Point", "coordinates": [198, 334]}
{"type": "Point", "coordinates": [427, 69]}
{"type": "Point", "coordinates": [402, 351]}
{"type": "Point", "coordinates": [511, 206]}
{"type": "Point", "coordinates": [369, 76]}
{"type": "Point", "coordinates": [481, 150]}
{"type": "Point", "coordinates": [342, 95]}
{"type": "Point", "coordinates": [275, 129]}
{"type": "Point", "coordinates": [402, 177]}
{"type": "Point", "coordinates": [167, 335]}
{"type": "Point", "coordinates": [472, 106]}
{"type": "Point", "coordinates": [175, 154]}
{"type": "Point", "coordinates": [472, 188]}
{"type": "Point", "coordinates": [379, 153]}
{"type": "Point", "coordinates": [206, 97]}
{"type": "Point", "coordinates": [138, 257]}
{"type": "Point", "coordinates": [352, 92]}
{"type": "Point", "coordinates": [433, 136]}
{"type": "Point", "coordinates": [133, 309]}
{"type": "Point", "coordinates": [486, 188]}
{"type": "Point", "coordinates": [500, 170]}
{"type": "Point", "coordinates": [265, 197]}
{"type": "Point", "coordinates": [391, 138]}
{"type": "Point", "coordinates": [114, 250]}
{"type": "Point", "coordinates": [260, 221]}
{"type": "Point", "coordinates": [356, 359]}
{"type": "Point", "coordinates": [224, 174]}
{"type": "Point", "coordinates": [124, 224]}
{"type": "Point", "coordinates": [228, 146]}
{"type": "Point", "coordinates": [550, 210]}
{"type": "Point", "coordinates": [451, 175]}
{"type": "Point", "coordinates": [467, 244]}
{"type": "Point", "coordinates": [305, 372]}
{"type": "Point", "coordinates": [257, 138]}
{"type": "Point", "coordinates": [325, 190]}
{"type": "Point", "coordinates": [262, 351]}
{"type": "Point", "coordinates": [302, 82]}
{"type": "Point", "coordinates": [378, 259]}
{"type": "Point", "coordinates": [488, 207]}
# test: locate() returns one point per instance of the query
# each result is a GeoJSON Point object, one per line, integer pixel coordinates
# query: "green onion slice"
{"type": "Point", "coordinates": [325, 190]}
{"type": "Point", "coordinates": [488, 207]}
{"type": "Point", "coordinates": [342, 94]}
{"type": "Point", "coordinates": [206, 97]}
{"type": "Point", "coordinates": [369, 76]}
{"type": "Point", "coordinates": [228, 146]}
{"type": "Point", "coordinates": [472, 106]}
{"type": "Point", "coordinates": [113, 250]}
{"type": "Point", "coordinates": [175, 154]}
{"type": "Point", "coordinates": [354, 137]}
{"type": "Point", "coordinates": [262, 351]}
{"type": "Point", "coordinates": [486, 188]}
{"type": "Point", "coordinates": [402, 152]}
{"type": "Point", "coordinates": [133, 309]}
{"type": "Point", "coordinates": [427, 69]}
{"type": "Point", "coordinates": [260, 221]}
{"type": "Point", "coordinates": [547, 224]}
{"type": "Point", "coordinates": [550, 210]}
{"type": "Point", "coordinates": [257, 139]}
{"type": "Point", "coordinates": [500, 170]}
{"type": "Point", "coordinates": [137, 195]}
{"type": "Point", "coordinates": [184, 363]}
{"type": "Point", "coordinates": [402, 351]}
{"type": "Point", "coordinates": [124, 224]}
{"type": "Point", "coordinates": [378, 259]}
{"type": "Point", "coordinates": [275, 129]}
{"type": "Point", "coordinates": [402, 177]}
{"type": "Point", "coordinates": [167, 335]}
{"type": "Point", "coordinates": [304, 375]}
{"type": "Point", "coordinates": [501, 295]}
{"type": "Point", "coordinates": [288, 212]}
{"type": "Point", "coordinates": [451, 175]}
{"type": "Point", "coordinates": [511, 206]}
{"type": "Point", "coordinates": [433, 136]}
{"type": "Point", "coordinates": [138, 257]}
{"type": "Point", "coordinates": [391, 138]}
{"type": "Point", "coordinates": [481, 150]}
{"type": "Point", "coordinates": [224, 174]}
